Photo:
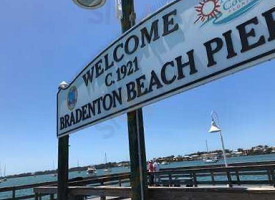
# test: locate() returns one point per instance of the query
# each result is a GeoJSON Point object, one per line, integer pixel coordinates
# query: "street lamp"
{"type": "Point", "coordinates": [216, 129]}
{"type": "Point", "coordinates": [63, 85]}
{"type": "Point", "coordinates": [90, 4]}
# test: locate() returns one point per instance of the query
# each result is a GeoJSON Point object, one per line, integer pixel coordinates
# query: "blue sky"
{"type": "Point", "coordinates": [45, 42]}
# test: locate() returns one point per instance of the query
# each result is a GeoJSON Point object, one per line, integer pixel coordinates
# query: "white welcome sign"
{"type": "Point", "coordinates": [183, 45]}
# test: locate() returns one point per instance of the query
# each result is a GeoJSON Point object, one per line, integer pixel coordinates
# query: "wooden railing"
{"type": "Point", "coordinates": [115, 179]}
{"type": "Point", "coordinates": [239, 174]}
{"type": "Point", "coordinates": [220, 165]}
{"type": "Point", "coordinates": [233, 175]}
{"type": "Point", "coordinates": [190, 177]}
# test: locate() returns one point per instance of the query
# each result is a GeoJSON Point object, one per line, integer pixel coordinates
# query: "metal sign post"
{"type": "Point", "coordinates": [63, 168]}
{"type": "Point", "coordinates": [135, 124]}
{"type": "Point", "coordinates": [137, 155]}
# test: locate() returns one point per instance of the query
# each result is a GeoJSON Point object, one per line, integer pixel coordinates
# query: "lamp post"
{"type": "Point", "coordinates": [216, 129]}
{"type": "Point", "coordinates": [135, 118]}
{"type": "Point", "coordinates": [63, 161]}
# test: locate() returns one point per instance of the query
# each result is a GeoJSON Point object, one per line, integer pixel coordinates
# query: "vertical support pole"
{"type": "Point", "coordinates": [36, 196]}
{"type": "Point", "coordinates": [195, 179]}
{"type": "Point", "coordinates": [229, 179]}
{"type": "Point", "coordinates": [63, 168]}
{"type": "Point", "coordinates": [170, 180]}
{"type": "Point", "coordinates": [102, 183]}
{"type": "Point", "coordinates": [13, 193]}
{"type": "Point", "coordinates": [135, 124]}
{"type": "Point", "coordinates": [272, 176]}
{"type": "Point", "coordinates": [119, 182]}
{"type": "Point", "coordinates": [138, 156]}
{"type": "Point", "coordinates": [223, 150]}
{"type": "Point", "coordinates": [269, 176]}
{"type": "Point", "coordinates": [128, 15]}
{"type": "Point", "coordinates": [238, 177]}
{"type": "Point", "coordinates": [213, 178]}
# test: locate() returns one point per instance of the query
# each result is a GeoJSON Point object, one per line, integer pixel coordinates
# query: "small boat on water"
{"type": "Point", "coordinates": [209, 158]}
{"type": "Point", "coordinates": [165, 163]}
{"type": "Point", "coordinates": [78, 167]}
{"type": "Point", "coordinates": [55, 173]}
{"type": "Point", "coordinates": [107, 169]}
{"type": "Point", "coordinates": [3, 179]}
{"type": "Point", "coordinates": [120, 165]}
{"type": "Point", "coordinates": [91, 170]}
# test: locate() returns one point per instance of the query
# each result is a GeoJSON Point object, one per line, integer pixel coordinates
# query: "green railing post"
{"type": "Point", "coordinates": [238, 178]}
{"type": "Point", "coordinates": [195, 179]}
{"type": "Point", "coordinates": [229, 179]}
{"type": "Point", "coordinates": [272, 176]}
{"type": "Point", "coordinates": [13, 193]}
{"type": "Point", "coordinates": [36, 196]}
{"type": "Point", "coordinates": [213, 178]}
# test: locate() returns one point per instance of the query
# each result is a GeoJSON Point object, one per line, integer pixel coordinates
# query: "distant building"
{"type": "Point", "coordinates": [236, 153]}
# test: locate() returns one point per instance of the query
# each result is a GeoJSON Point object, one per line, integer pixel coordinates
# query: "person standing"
{"type": "Point", "coordinates": [150, 168]}
{"type": "Point", "coordinates": [156, 170]}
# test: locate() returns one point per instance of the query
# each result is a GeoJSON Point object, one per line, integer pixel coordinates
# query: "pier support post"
{"type": "Point", "coordinates": [63, 168]}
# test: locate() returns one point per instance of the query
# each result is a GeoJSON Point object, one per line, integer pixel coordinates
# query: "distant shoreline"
{"type": "Point", "coordinates": [254, 151]}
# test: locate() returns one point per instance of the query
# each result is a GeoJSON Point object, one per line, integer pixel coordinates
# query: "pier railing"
{"type": "Point", "coordinates": [221, 165]}
{"type": "Point", "coordinates": [15, 193]}
{"type": "Point", "coordinates": [240, 174]}
{"type": "Point", "coordinates": [233, 175]}
{"type": "Point", "coordinates": [246, 174]}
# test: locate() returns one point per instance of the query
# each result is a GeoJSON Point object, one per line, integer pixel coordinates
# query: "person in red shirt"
{"type": "Point", "coordinates": [150, 168]}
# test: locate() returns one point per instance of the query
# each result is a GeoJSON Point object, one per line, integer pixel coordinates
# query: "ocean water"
{"type": "Point", "coordinates": [241, 159]}
{"type": "Point", "coordinates": [46, 178]}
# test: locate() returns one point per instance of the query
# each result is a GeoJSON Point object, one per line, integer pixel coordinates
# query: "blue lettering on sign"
{"type": "Point", "coordinates": [232, 9]}
{"type": "Point", "coordinates": [223, 11]}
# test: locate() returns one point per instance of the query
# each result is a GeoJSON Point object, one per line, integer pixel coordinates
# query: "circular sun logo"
{"type": "Point", "coordinates": [72, 98]}
{"type": "Point", "coordinates": [207, 10]}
